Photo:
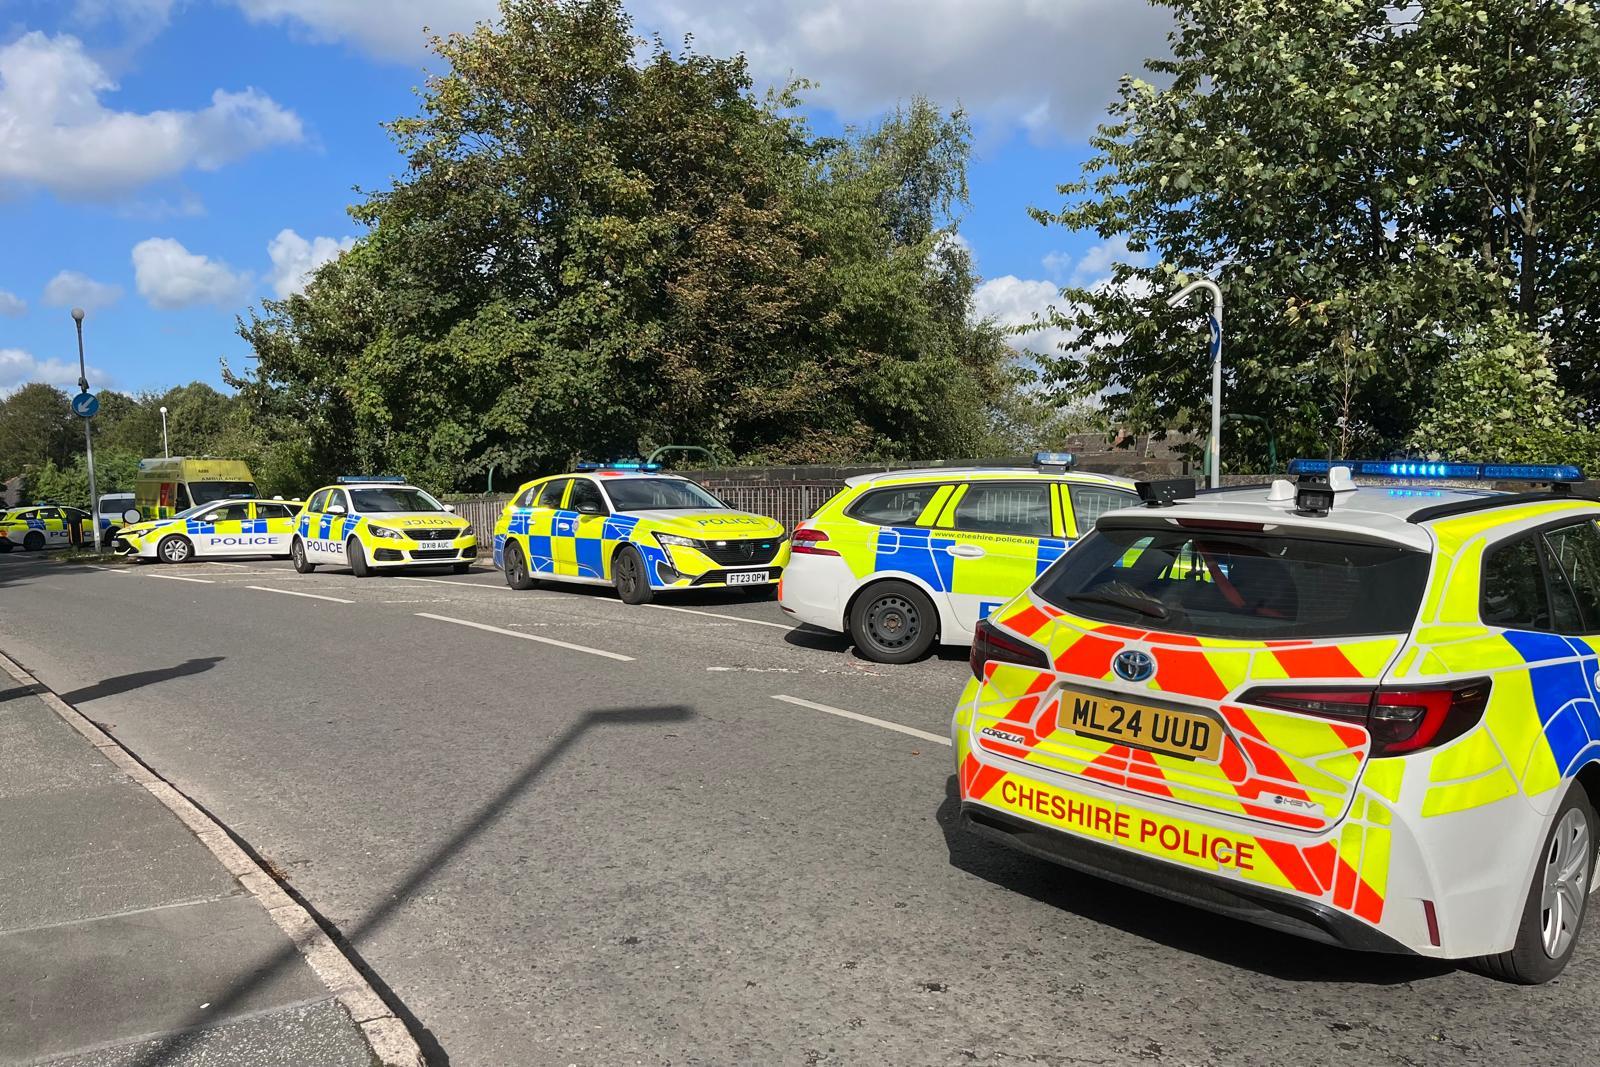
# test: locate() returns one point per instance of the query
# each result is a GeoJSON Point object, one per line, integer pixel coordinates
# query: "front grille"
{"type": "Point", "coordinates": [433, 535]}
{"type": "Point", "coordinates": [751, 552]}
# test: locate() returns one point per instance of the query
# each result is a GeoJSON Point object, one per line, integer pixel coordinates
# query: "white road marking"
{"type": "Point", "coordinates": [181, 578]}
{"type": "Point", "coordinates": [528, 637]}
{"type": "Point", "coordinates": [219, 563]}
{"type": "Point", "coordinates": [450, 581]}
{"type": "Point", "coordinates": [109, 570]}
{"type": "Point", "coordinates": [868, 719]}
{"type": "Point", "coordinates": [715, 615]}
{"type": "Point", "coordinates": [296, 592]}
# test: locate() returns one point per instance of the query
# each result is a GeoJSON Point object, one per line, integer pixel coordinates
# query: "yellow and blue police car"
{"type": "Point", "coordinates": [371, 524]}
{"type": "Point", "coordinates": [630, 526]}
{"type": "Point", "coordinates": [239, 527]}
{"type": "Point", "coordinates": [1365, 715]}
{"type": "Point", "coordinates": [904, 559]}
{"type": "Point", "coordinates": [41, 526]}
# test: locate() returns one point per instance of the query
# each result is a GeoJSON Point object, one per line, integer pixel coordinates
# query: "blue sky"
{"type": "Point", "coordinates": [169, 163]}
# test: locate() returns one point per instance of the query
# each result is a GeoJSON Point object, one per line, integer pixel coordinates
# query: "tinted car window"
{"type": "Point", "coordinates": [897, 506]}
{"type": "Point", "coordinates": [1575, 551]}
{"type": "Point", "coordinates": [1238, 584]}
{"type": "Point", "coordinates": [230, 513]}
{"type": "Point", "coordinates": [1513, 586]}
{"type": "Point", "coordinates": [1089, 502]}
{"type": "Point", "coordinates": [319, 501]}
{"type": "Point", "coordinates": [273, 511]}
{"type": "Point", "coordinates": [550, 495]}
{"type": "Point", "coordinates": [1022, 510]}
{"type": "Point", "coordinates": [584, 492]}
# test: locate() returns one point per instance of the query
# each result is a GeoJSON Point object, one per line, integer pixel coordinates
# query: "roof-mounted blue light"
{"type": "Point", "coordinates": [1064, 460]}
{"type": "Point", "coordinates": [1417, 468]}
{"type": "Point", "coordinates": [382, 479]}
{"type": "Point", "coordinates": [617, 465]}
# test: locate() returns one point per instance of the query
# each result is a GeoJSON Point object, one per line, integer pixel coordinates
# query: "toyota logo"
{"type": "Point", "coordinates": [1132, 665]}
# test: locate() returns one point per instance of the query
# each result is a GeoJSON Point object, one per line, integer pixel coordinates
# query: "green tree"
{"type": "Point", "coordinates": [1368, 179]}
{"type": "Point", "coordinates": [594, 254]}
{"type": "Point", "coordinates": [36, 426]}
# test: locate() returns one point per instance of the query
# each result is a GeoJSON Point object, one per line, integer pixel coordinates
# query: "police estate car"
{"type": "Point", "coordinates": [904, 559]}
{"type": "Point", "coordinates": [370, 524]}
{"type": "Point", "coordinates": [242, 527]}
{"type": "Point", "coordinates": [627, 525]}
{"type": "Point", "coordinates": [40, 526]}
{"type": "Point", "coordinates": [1363, 715]}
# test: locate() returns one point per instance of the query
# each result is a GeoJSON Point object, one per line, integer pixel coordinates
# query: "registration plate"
{"type": "Point", "coordinates": [1126, 722]}
{"type": "Point", "coordinates": [747, 577]}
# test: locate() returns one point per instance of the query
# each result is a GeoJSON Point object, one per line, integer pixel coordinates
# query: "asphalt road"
{"type": "Point", "coordinates": [556, 856]}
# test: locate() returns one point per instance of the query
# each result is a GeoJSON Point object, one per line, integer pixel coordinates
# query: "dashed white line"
{"type": "Point", "coordinates": [109, 570]}
{"type": "Point", "coordinates": [181, 578]}
{"type": "Point", "coordinates": [716, 615]}
{"type": "Point", "coordinates": [868, 719]}
{"type": "Point", "coordinates": [527, 637]}
{"type": "Point", "coordinates": [296, 592]}
{"type": "Point", "coordinates": [219, 563]}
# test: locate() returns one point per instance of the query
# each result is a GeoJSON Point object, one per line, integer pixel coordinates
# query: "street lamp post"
{"type": "Point", "coordinates": [165, 451]}
{"type": "Point", "coordinates": [88, 436]}
{"type": "Point", "coordinates": [1214, 447]}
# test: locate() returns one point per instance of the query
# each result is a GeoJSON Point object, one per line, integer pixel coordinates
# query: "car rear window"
{"type": "Point", "coordinates": [1238, 584]}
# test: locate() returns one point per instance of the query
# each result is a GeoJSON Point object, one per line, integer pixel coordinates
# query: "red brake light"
{"type": "Point", "coordinates": [989, 642]}
{"type": "Point", "coordinates": [1399, 718]}
{"type": "Point", "coordinates": [808, 542]}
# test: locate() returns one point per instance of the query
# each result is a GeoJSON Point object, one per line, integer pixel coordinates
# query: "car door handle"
{"type": "Point", "coordinates": [966, 551]}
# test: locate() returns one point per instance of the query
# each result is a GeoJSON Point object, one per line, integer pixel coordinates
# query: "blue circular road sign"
{"type": "Point", "coordinates": [84, 405]}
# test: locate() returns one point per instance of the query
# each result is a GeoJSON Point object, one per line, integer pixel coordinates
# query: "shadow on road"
{"type": "Point", "coordinates": [20, 568]}
{"type": "Point", "coordinates": [1217, 937]}
{"type": "Point", "coordinates": [17, 693]}
{"type": "Point", "coordinates": [827, 641]}
{"type": "Point", "coordinates": [414, 880]}
{"type": "Point", "coordinates": [123, 683]}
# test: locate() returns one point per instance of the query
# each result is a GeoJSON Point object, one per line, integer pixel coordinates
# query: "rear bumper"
{"type": "Point", "coordinates": [1263, 907]}
{"type": "Point", "coordinates": [816, 590]}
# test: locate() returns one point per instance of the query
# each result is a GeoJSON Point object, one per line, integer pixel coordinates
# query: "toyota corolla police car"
{"type": "Point", "coordinates": [370, 524]}
{"type": "Point", "coordinates": [1363, 715]}
{"type": "Point", "coordinates": [901, 560]}
{"type": "Point", "coordinates": [225, 528]}
{"type": "Point", "coordinates": [636, 529]}
{"type": "Point", "coordinates": [40, 526]}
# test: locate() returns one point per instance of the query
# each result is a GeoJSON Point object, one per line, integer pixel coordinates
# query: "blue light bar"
{"type": "Point", "coordinates": [617, 465]}
{"type": "Point", "coordinates": [1415, 468]}
{"type": "Point", "coordinates": [382, 479]}
{"type": "Point", "coordinates": [1064, 460]}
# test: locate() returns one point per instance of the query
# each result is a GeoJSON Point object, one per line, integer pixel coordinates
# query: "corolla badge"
{"type": "Point", "coordinates": [1132, 665]}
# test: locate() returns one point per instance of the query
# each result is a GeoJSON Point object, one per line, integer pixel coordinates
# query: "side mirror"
{"type": "Point", "coordinates": [450, 508]}
{"type": "Point", "coordinates": [590, 509]}
{"type": "Point", "coordinates": [335, 509]}
{"type": "Point", "coordinates": [131, 515]}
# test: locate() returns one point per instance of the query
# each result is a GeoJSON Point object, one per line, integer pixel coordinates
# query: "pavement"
{"type": "Point", "coordinates": [553, 828]}
{"type": "Point", "coordinates": [124, 940]}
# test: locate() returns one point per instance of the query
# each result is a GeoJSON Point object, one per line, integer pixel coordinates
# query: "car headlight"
{"type": "Point", "coordinates": [667, 540]}
{"type": "Point", "coordinates": [383, 533]}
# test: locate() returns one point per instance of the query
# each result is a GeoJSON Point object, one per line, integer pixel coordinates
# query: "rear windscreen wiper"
{"type": "Point", "coordinates": [1132, 601]}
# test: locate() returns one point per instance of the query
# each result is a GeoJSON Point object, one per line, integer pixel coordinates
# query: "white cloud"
{"type": "Point", "coordinates": [1041, 64]}
{"type": "Point", "coordinates": [1012, 301]}
{"type": "Point", "coordinates": [170, 276]}
{"type": "Point", "coordinates": [1093, 268]}
{"type": "Point", "coordinates": [398, 33]}
{"type": "Point", "coordinates": [71, 289]}
{"type": "Point", "coordinates": [18, 368]}
{"type": "Point", "coordinates": [12, 305]}
{"type": "Point", "coordinates": [294, 259]}
{"type": "Point", "coordinates": [55, 131]}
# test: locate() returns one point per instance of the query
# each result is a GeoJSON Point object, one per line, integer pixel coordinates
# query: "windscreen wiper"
{"type": "Point", "coordinates": [1153, 609]}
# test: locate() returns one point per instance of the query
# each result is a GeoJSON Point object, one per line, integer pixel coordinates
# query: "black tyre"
{"type": "Point", "coordinates": [893, 622]}
{"type": "Point", "coordinates": [516, 568]}
{"type": "Point", "coordinates": [34, 541]}
{"type": "Point", "coordinates": [460, 568]}
{"type": "Point", "coordinates": [629, 577]}
{"type": "Point", "coordinates": [1558, 901]}
{"type": "Point", "coordinates": [5, 546]}
{"type": "Point", "coordinates": [297, 553]}
{"type": "Point", "coordinates": [358, 559]}
{"type": "Point", "coordinates": [174, 549]}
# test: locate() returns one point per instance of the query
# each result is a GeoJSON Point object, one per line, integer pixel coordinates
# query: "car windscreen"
{"type": "Point", "coordinates": [211, 492]}
{"type": "Point", "coordinates": [647, 494]}
{"type": "Point", "coordinates": [1238, 584]}
{"type": "Point", "coordinates": [392, 498]}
